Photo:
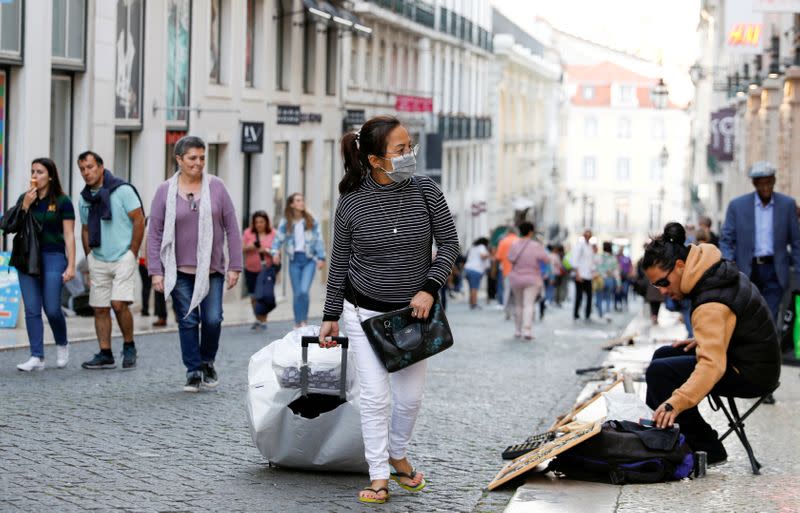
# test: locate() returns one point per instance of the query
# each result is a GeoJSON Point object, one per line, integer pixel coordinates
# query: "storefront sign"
{"type": "Point", "coordinates": [743, 27]}
{"type": "Point", "coordinates": [722, 130]}
{"type": "Point", "coordinates": [128, 88]}
{"type": "Point", "coordinates": [252, 137]}
{"type": "Point", "coordinates": [355, 117]}
{"type": "Point", "coordinates": [291, 115]}
{"type": "Point", "coordinates": [9, 293]}
{"type": "Point", "coordinates": [178, 37]}
{"type": "Point", "coordinates": [413, 104]}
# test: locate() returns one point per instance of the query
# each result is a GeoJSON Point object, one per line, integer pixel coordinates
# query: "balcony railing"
{"type": "Point", "coordinates": [414, 10]}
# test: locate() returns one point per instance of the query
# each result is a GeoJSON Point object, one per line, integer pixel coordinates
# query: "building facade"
{"type": "Point", "coordinates": [745, 107]}
{"type": "Point", "coordinates": [526, 97]}
{"type": "Point", "coordinates": [626, 160]}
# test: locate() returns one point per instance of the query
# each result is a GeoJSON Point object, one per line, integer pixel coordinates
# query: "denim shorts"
{"type": "Point", "coordinates": [474, 278]}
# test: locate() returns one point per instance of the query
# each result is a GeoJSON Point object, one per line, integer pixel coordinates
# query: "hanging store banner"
{"type": "Point", "coordinates": [744, 28]}
{"type": "Point", "coordinates": [413, 104]}
{"type": "Point", "coordinates": [722, 132]}
{"type": "Point", "coordinates": [178, 37]}
{"type": "Point", "coordinates": [128, 90]}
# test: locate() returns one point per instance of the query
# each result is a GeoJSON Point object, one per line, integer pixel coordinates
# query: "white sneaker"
{"type": "Point", "coordinates": [62, 356]}
{"type": "Point", "coordinates": [33, 364]}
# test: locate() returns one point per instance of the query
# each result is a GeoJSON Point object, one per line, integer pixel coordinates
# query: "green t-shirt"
{"type": "Point", "coordinates": [51, 216]}
{"type": "Point", "coordinates": [116, 233]}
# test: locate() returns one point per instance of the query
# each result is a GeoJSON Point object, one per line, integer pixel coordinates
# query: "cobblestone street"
{"type": "Point", "coordinates": [133, 441]}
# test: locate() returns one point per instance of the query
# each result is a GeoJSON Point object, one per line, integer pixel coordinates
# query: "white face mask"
{"type": "Point", "coordinates": [403, 166]}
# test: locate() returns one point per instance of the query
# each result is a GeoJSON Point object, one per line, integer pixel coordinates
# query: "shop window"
{"type": "Point", "coordinates": [279, 179]}
{"type": "Point", "coordinates": [178, 37]}
{"type": "Point", "coordinates": [623, 169]}
{"type": "Point", "coordinates": [331, 61]}
{"type": "Point", "coordinates": [624, 128]}
{"type": "Point", "coordinates": [61, 121]}
{"type": "Point", "coordinates": [122, 156]}
{"type": "Point", "coordinates": [69, 32]}
{"type": "Point", "coordinates": [283, 43]}
{"type": "Point", "coordinates": [253, 31]}
{"type": "Point", "coordinates": [219, 52]}
{"type": "Point", "coordinates": [589, 168]}
{"type": "Point", "coordinates": [305, 162]}
{"type": "Point", "coordinates": [309, 55]}
{"type": "Point", "coordinates": [128, 51]}
{"type": "Point", "coordinates": [212, 159]}
{"type": "Point", "coordinates": [11, 31]}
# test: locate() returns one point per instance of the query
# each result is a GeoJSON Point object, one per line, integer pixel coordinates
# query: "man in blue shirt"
{"type": "Point", "coordinates": [759, 228]}
{"type": "Point", "coordinates": [113, 227]}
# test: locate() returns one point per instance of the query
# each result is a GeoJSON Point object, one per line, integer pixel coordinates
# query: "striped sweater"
{"type": "Point", "coordinates": [380, 269]}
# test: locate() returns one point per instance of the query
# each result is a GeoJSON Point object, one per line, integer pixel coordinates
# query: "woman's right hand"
{"type": "Point", "coordinates": [158, 283]}
{"type": "Point", "coordinates": [328, 329]}
{"type": "Point", "coordinates": [276, 260]}
{"type": "Point", "coordinates": [29, 198]}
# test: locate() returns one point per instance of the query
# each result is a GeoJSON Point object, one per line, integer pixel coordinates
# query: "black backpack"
{"type": "Point", "coordinates": [627, 452]}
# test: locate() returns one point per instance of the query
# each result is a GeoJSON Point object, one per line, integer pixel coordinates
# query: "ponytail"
{"type": "Point", "coordinates": [667, 248]}
{"type": "Point", "coordinates": [354, 169]}
{"type": "Point", "coordinates": [358, 146]}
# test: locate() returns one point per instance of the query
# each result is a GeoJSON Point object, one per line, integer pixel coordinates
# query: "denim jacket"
{"type": "Point", "coordinates": [315, 246]}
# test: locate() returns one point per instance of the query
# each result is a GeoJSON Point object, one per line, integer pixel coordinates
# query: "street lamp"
{"type": "Point", "coordinates": [660, 94]}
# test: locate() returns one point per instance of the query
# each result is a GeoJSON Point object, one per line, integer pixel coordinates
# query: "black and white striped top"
{"type": "Point", "coordinates": [380, 269]}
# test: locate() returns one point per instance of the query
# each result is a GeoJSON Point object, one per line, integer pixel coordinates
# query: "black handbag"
{"type": "Point", "coordinates": [264, 292]}
{"type": "Point", "coordinates": [26, 254]}
{"type": "Point", "coordinates": [399, 339]}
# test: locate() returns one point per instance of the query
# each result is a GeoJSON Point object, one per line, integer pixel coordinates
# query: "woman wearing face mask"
{"type": "Point", "coordinates": [48, 204]}
{"type": "Point", "coordinates": [299, 233]}
{"type": "Point", "coordinates": [385, 224]}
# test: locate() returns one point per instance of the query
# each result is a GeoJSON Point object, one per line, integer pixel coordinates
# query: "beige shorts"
{"type": "Point", "coordinates": [112, 281]}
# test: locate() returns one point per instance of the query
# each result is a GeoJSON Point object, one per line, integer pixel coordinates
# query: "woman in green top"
{"type": "Point", "coordinates": [48, 204]}
{"type": "Point", "coordinates": [608, 269]}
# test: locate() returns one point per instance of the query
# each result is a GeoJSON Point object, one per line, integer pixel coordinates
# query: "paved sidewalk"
{"type": "Point", "coordinates": [773, 431]}
{"type": "Point", "coordinates": [76, 440]}
{"type": "Point", "coordinates": [236, 310]}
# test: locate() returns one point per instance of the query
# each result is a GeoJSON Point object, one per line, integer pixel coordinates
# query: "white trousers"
{"type": "Point", "coordinates": [383, 439]}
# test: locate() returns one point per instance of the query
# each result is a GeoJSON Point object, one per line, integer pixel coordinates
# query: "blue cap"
{"type": "Point", "coordinates": [761, 169]}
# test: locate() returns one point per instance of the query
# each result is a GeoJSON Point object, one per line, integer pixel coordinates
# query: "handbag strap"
{"type": "Point", "coordinates": [513, 262]}
{"type": "Point", "coordinates": [427, 206]}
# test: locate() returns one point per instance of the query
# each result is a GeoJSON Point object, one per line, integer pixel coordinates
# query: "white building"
{"type": "Point", "coordinates": [526, 96]}
{"type": "Point", "coordinates": [626, 160]}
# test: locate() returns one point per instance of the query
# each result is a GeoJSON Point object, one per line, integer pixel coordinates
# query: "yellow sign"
{"type": "Point", "coordinates": [745, 34]}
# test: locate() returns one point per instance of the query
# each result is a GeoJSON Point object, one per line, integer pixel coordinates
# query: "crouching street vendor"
{"type": "Point", "coordinates": [735, 350]}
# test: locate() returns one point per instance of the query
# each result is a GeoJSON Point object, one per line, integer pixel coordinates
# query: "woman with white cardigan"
{"type": "Point", "coordinates": [192, 215]}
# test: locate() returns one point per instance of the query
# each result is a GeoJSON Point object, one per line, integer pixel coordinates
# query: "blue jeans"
{"type": "Point", "coordinates": [684, 306]}
{"type": "Point", "coordinates": [301, 272]}
{"type": "Point", "coordinates": [198, 346]}
{"type": "Point", "coordinates": [766, 279]}
{"type": "Point", "coordinates": [44, 291]}
{"type": "Point", "coordinates": [605, 295]}
{"type": "Point", "coordinates": [500, 286]}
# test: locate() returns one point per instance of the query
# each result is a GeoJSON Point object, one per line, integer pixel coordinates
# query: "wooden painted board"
{"type": "Point", "coordinates": [531, 460]}
{"type": "Point", "coordinates": [569, 417]}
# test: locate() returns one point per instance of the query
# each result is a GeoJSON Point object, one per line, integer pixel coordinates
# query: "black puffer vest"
{"type": "Point", "coordinates": [753, 350]}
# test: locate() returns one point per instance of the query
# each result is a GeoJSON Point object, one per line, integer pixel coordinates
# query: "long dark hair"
{"type": "Point", "coordinates": [667, 248]}
{"type": "Point", "coordinates": [54, 190]}
{"type": "Point", "coordinates": [256, 215]}
{"type": "Point", "coordinates": [288, 213]}
{"type": "Point", "coordinates": [358, 146]}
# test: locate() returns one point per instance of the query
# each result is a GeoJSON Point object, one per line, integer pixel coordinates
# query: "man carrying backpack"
{"type": "Point", "coordinates": [735, 349]}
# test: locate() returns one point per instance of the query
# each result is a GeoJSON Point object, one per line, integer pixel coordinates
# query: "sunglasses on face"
{"type": "Point", "coordinates": [192, 202]}
{"type": "Point", "coordinates": [664, 282]}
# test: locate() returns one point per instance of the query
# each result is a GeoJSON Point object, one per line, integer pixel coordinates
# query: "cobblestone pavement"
{"type": "Point", "coordinates": [76, 440]}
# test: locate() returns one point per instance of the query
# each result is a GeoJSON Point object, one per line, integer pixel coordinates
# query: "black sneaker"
{"type": "Point", "coordinates": [99, 361]}
{"type": "Point", "coordinates": [194, 381]}
{"type": "Point", "coordinates": [128, 357]}
{"type": "Point", "coordinates": [209, 375]}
